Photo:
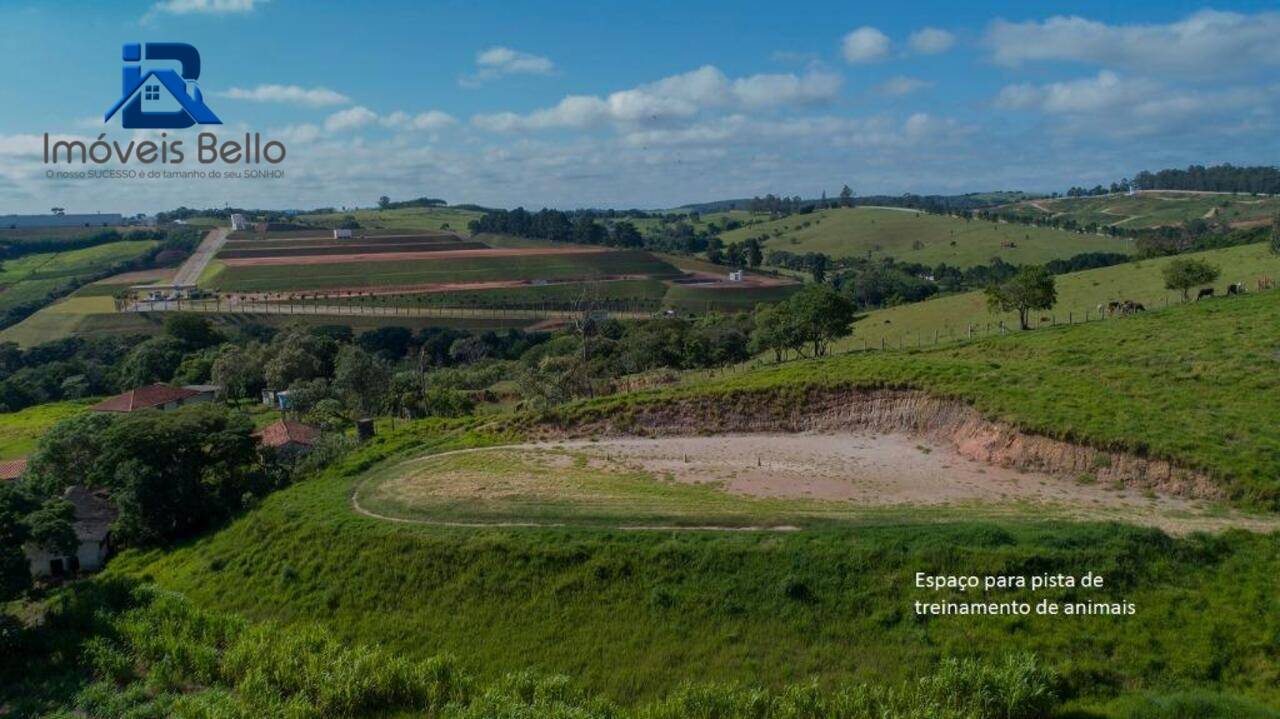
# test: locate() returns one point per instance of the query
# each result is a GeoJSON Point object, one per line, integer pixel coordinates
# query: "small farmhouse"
{"type": "Point", "coordinates": [94, 515]}
{"type": "Point", "coordinates": [156, 396]}
{"type": "Point", "coordinates": [342, 234]}
{"type": "Point", "coordinates": [238, 222]}
{"type": "Point", "coordinates": [736, 276]}
{"type": "Point", "coordinates": [288, 438]}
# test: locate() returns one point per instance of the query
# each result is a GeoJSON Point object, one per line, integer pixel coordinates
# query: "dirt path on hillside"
{"type": "Point", "coordinates": [876, 471]}
{"type": "Point", "coordinates": [191, 270]}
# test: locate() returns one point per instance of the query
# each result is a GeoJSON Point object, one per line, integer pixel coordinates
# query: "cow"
{"type": "Point", "coordinates": [1114, 307]}
{"type": "Point", "coordinates": [1204, 292]}
{"type": "Point", "coordinates": [1235, 289]}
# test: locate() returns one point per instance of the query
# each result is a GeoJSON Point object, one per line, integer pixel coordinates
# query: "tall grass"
{"type": "Point", "coordinates": [153, 654]}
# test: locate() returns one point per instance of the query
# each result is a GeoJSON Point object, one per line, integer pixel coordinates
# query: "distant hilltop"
{"type": "Point", "coordinates": [97, 219]}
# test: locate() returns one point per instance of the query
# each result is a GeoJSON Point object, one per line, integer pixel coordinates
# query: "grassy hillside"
{"type": "Point", "coordinates": [32, 277]}
{"type": "Point", "coordinates": [832, 602]}
{"type": "Point", "coordinates": [1078, 293]}
{"type": "Point", "coordinates": [636, 615]}
{"type": "Point", "coordinates": [19, 431]}
{"type": "Point", "coordinates": [919, 237]}
{"type": "Point", "coordinates": [1152, 209]}
{"type": "Point", "coordinates": [409, 218]}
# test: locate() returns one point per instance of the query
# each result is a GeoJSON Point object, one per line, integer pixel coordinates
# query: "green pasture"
{"type": "Point", "coordinates": [911, 236]}
{"type": "Point", "coordinates": [1079, 294]}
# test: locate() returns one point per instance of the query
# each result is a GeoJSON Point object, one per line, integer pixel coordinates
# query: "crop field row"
{"type": "Point", "coordinates": [911, 236]}
{"type": "Point", "coordinates": [639, 294]}
{"type": "Point", "coordinates": [325, 241]}
{"type": "Point", "coordinates": [559, 266]}
{"type": "Point", "coordinates": [366, 248]}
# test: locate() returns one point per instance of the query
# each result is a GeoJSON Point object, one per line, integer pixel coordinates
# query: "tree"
{"type": "Point", "coordinates": [15, 573]}
{"type": "Point", "coordinates": [362, 379]}
{"type": "Point", "coordinates": [1033, 288]}
{"type": "Point", "coordinates": [173, 473]}
{"type": "Point", "coordinates": [238, 370]}
{"type": "Point", "coordinates": [1275, 234]}
{"type": "Point", "coordinates": [754, 254]}
{"type": "Point", "coordinates": [715, 250]}
{"type": "Point", "coordinates": [390, 343]}
{"type": "Point", "coordinates": [625, 234]}
{"type": "Point", "coordinates": [1184, 273]}
{"type": "Point", "coordinates": [52, 526]}
{"type": "Point", "coordinates": [194, 331]}
{"type": "Point", "coordinates": [818, 267]}
{"type": "Point", "coordinates": [384, 202]}
{"type": "Point", "coordinates": [771, 330]}
{"type": "Point", "coordinates": [846, 197]}
{"type": "Point", "coordinates": [155, 360]}
{"type": "Point", "coordinates": [68, 452]}
{"type": "Point", "coordinates": [818, 314]}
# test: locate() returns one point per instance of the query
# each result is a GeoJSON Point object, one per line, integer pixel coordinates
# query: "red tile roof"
{"type": "Point", "coordinates": [284, 432]}
{"type": "Point", "coordinates": [143, 398]}
{"type": "Point", "coordinates": [12, 468]}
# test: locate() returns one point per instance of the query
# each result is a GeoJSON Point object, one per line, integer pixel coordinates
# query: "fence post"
{"type": "Point", "coordinates": [970, 331]}
{"type": "Point", "coordinates": [1001, 327]}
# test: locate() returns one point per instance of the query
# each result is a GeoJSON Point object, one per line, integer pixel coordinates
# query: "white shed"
{"type": "Point", "coordinates": [94, 516]}
{"type": "Point", "coordinates": [342, 234]}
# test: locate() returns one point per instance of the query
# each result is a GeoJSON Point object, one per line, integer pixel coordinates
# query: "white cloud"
{"type": "Point", "coordinates": [866, 44]}
{"type": "Point", "coordinates": [1106, 91]}
{"type": "Point", "coordinates": [674, 98]}
{"type": "Point", "coordinates": [350, 118]}
{"type": "Point", "coordinates": [298, 134]}
{"type": "Point", "coordinates": [1205, 44]}
{"type": "Point", "coordinates": [1120, 106]}
{"type": "Point", "coordinates": [781, 89]}
{"type": "Point", "coordinates": [293, 94]}
{"type": "Point", "coordinates": [430, 120]}
{"type": "Point", "coordinates": [498, 61]}
{"type": "Point", "coordinates": [205, 7]}
{"type": "Point", "coordinates": [903, 85]}
{"type": "Point", "coordinates": [511, 61]}
{"type": "Point", "coordinates": [931, 41]}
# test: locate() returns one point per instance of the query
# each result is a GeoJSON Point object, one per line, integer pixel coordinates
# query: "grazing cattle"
{"type": "Point", "coordinates": [1204, 292]}
{"type": "Point", "coordinates": [1235, 289]}
{"type": "Point", "coordinates": [1114, 307]}
{"type": "Point", "coordinates": [1266, 283]}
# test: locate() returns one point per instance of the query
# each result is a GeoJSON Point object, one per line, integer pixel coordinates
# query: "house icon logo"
{"type": "Point", "coordinates": [161, 98]}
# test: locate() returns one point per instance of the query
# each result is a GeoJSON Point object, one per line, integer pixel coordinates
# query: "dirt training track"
{"type": "Point", "coordinates": [403, 256]}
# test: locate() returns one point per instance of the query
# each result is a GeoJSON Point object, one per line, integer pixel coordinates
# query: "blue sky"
{"type": "Point", "coordinates": [655, 104]}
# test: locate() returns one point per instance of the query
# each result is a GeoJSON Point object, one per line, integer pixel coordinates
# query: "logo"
{"type": "Point", "coordinates": [148, 92]}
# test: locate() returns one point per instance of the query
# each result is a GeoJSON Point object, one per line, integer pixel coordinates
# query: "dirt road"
{"type": "Point", "coordinates": [191, 270]}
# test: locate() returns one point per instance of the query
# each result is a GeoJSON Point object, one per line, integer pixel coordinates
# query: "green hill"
{"type": "Point", "coordinates": [635, 615]}
{"type": "Point", "coordinates": [1151, 208]}
{"type": "Point", "coordinates": [1079, 294]}
{"type": "Point", "coordinates": [913, 236]}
